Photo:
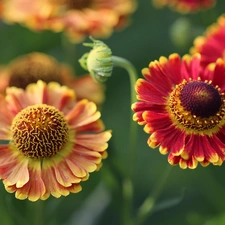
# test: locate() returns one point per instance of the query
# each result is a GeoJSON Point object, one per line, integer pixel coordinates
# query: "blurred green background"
{"type": "Point", "coordinates": [189, 197]}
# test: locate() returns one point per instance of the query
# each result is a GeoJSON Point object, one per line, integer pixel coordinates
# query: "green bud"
{"type": "Point", "coordinates": [98, 61]}
{"type": "Point", "coordinates": [181, 33]}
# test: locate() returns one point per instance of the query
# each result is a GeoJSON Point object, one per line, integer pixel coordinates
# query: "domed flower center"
{"type": "Point", "coordinates": [34, 67]}
{"type": "Point", "coordinates": [201, 99]}
{"type": "Point", "coordinates": [197, 107]}
{"type": "Point", "coordinates": [73, 4]}
{"type": "Point", "coordinates": [39, 131]}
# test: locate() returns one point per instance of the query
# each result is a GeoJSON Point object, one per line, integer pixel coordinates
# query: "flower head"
{"type": "Point", "coordinates": [183, 109]}
{"type": "Point", "coordinates": [32, 67]}
{"type": "Point", "coordinates": [36, 66]}
{"type": "Point", "coordinates": [212, 45]}
{"type": "Point", "coordinates": [54, 141]}
{"type": "Point", "coordinates": [185, 6]}
{"type": "Point", "coordinates": [77, 18]}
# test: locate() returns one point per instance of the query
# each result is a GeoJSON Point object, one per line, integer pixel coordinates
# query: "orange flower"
{"type": "Point", "coordinates": [211, 46]}
{"type": "Point", "coordinates": [54, 141]}
{"type": "Point", "coordinates": [38, 66]}
{"type": "Point", "coordinates": [185, 6]}
{"type": "Point", "coordinates": [1, 7]}
{"type": "Point", "coordinates": [77, 18]}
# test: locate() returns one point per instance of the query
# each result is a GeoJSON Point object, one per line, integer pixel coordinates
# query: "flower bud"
{"type": "Point", "coordinates": [98, 61]}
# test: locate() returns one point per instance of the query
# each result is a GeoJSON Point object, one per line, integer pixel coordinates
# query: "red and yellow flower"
{"type": "Point", "coordinates": [212, 44]}
{"type": "Point", "coordinates": [54, 141]}
{"type": "Point", "coordinates": [185, 6]}
{"type": "Point", "coordinates": [182, 107]}
{"type": "Point", "coordinates": [77, 18]}
{"type": "Point", "coordinates": [36, 66]}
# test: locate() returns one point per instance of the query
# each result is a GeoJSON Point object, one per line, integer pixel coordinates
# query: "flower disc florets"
{"type": "Point", "coordinates": [39, 131]}
{"type": "Point", "coordinates": [33, 67]}
{"type": "Point", "coordinates": [201, 99]}
{"type": "Point", "coordinates": [196, 106]}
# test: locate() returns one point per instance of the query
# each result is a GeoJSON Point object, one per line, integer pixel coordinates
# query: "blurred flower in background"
{"type": "Point", "coordinates": [30, 68]}
{"type": "Point", "coordinates": [55, 141]}
{"type": "Point", "coordinates": [78, 18]}
{"type": "Point", "coordinates": [185, 6]}
{"type": "Point", "coordinates": [212, 44]}
{"type": "Point", "coordinates": [183, 108]}
{"type": "Point", "coordinates": [36, 66]}
{"type": "Point", "coordinates": [1, 7]}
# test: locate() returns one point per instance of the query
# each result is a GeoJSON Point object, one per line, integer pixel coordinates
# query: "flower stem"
{"type": "Point", "coordinates": [146, 209]}
{"type": "Point", "coordinates": [127, 185]}
{"type": "Point", "coordinates": [124, 63]}
{"type": "Point", "coordinates": [127, 192]}
{"type": "Point", "coordinates": [121, 62]}
{"type": "Point", "coordinates": [37, 211]}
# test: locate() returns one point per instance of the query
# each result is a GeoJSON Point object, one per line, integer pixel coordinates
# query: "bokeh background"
{"type": "Point", "coordinates": [189, 197]}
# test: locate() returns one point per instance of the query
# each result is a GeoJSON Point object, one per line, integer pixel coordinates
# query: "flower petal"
{"type": "Point", "coordinates": [19, 174]}
{"type": "Point", "coordinates": [146, 92]}
{"type": "Point", "coordinates": [95, 142]}
{"type": "Point", "coordinates": [82, 114]}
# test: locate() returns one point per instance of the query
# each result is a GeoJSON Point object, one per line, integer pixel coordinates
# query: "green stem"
{"type": "Point", "coordinates": [127, 191]}
{"type": "Point", "coordinates": [121, 62]}
{"type": "Point", "coordinates": [37, 211]}
{"type": "Point", "coordinates": [127, 185]}
{"type": "Point", "coordinates": [127, 65]}
{"type": "Point", "coordinates": [39, 217]}
{"type": "Point", "coordinates": [146, 209]}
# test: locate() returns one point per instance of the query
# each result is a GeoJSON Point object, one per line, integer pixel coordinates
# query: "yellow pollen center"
{"type": "Point", "coordinates": [39, 131]}
{"type": "Point", "coordinates": [197, 107]}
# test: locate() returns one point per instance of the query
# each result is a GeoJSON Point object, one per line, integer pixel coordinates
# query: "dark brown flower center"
{"type": "Point", "coordinates": [73, 4]}
{"type": "Point", "coordinates": [33, 67]}
{"type": "Point", "coordinates": [201, 99]}
{"type": "Point", "coordinates": [39, 131]}
{"type": "Point", "coordinates": [197, 107]}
